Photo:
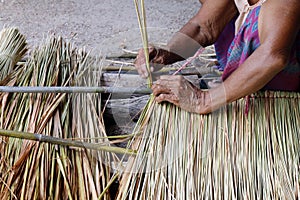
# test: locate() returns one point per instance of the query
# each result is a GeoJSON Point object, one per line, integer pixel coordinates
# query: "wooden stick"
{"type": "Point", "coordinates": [168, 70]}
{"type": "Point", "coordinates": [65, 142]}
{"type": "Point", "coordinates": [40, 89]}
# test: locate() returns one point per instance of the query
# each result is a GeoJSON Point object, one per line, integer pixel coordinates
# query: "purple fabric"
{"type": "Point", "coordinates": [245, 42]}
{"type": "Point", "coordinates": [223, 43]}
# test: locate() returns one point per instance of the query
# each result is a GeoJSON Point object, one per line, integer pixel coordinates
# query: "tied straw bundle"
{"type": "Point", "coordinates": [12, 49]}
{"type": "Point", "coordinates": [223, 155]}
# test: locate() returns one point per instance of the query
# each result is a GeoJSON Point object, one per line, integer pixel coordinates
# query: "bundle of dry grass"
{"type": "Point", "coordinates": [12, 49]}
{"type": "Point", "coordinates": [32, 170]}
{"type": "Point", "coordinates": [224, 155]}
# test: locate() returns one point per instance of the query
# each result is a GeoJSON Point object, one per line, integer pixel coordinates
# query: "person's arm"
{"type": "Point", "coordinates": [278, 27]}
{"type": "Point", "coordinates": [200, 31]}
{"type": "Point", "coordinates": [203, 29]}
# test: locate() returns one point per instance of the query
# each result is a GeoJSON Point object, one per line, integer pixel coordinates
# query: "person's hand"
{"type": "Point", "coordinates": [180, 92]}
{"type": "Point", "coordinates": [158, 57]}
{"type": "Point", "coordinates": [140, 61]}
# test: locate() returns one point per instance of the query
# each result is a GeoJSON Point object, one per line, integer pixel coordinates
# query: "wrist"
{"type": "Point", "coordinates": [171, 57]}
{"type": "Point", "coordinates": [210, 100]}
{"type": "Point", "coordinates": [165, 56]}
{"type": "Point", "coordinates": [217, 97]}
{"type": "Point", "coordinates": [183, 45]}
{"type": "Point", "coordinates": [203, 102]}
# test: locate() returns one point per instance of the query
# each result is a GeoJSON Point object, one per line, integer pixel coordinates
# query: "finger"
{"type": "Point", "coordinates": [152, 69]}
{"type": "Point", "coordinates": [160, 89]}
{"type": "Point", "coordinates": [167, 97]}
{"type": "Point", "coordinates": [152, 52]}
{"type": "Point", "coordinates": [140, 64]}
{"type": "Point", "coordinates": [142, 70]}
{"type": "Point", "coordinates": [166, 77]}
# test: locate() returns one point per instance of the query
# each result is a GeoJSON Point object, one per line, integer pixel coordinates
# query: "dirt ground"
{"type": "Point", "coordinates": [102, 26]}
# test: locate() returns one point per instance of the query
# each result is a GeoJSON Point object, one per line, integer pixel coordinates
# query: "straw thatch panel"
{"type": "Point", "coordinates": [228, 154]}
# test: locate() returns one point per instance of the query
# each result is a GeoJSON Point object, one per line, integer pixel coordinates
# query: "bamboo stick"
{"type": "Point", "coordinates": [65, 142]}
{"type": "Point", "coordinates": [167, 70]}
{"type": "Point", "coordinates": [57, 89]}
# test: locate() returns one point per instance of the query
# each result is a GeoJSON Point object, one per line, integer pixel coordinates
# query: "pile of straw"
{"type": "Point", "coordinates": [224, 155]}
{"type": "Point", "coordinates": [33, 170]}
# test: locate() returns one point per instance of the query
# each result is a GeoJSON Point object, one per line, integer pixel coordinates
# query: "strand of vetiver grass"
{"type": "Point", "coordinates": [139, 140]}
{"type": "Point", "coordinates": [141, 16]}
{"type": "Point", "coordinates": [84, 125]}
{"type": "Point", "coordinates": [88, 124]}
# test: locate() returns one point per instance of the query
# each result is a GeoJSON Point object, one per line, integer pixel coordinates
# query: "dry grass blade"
{"type": "Point", "coordinates": [224, 155]}
{"type": "Point", "coordinates": [141, 16]}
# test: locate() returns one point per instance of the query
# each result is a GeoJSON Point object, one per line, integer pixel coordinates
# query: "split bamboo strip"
{"type": "Point", "coordinates": [223, 155]}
